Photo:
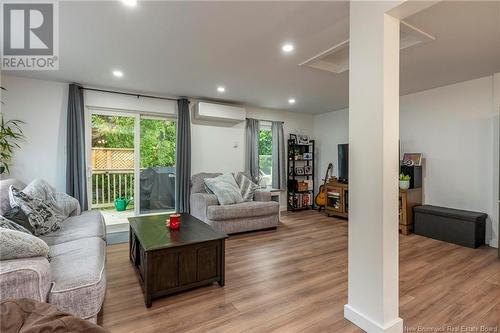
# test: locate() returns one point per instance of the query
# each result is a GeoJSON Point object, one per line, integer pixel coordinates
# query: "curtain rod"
{"type": "Point", "coordinates": [269, 121]}
{"type": "Point", "coordinates": [130, 94]}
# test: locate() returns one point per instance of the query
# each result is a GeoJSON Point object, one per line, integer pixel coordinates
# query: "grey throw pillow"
{"type": "Point", "coordinates": [225, 188]}
{"type": "Point", "coordinates": [40, 215]}
{"type": "Point", "coordinates": [8, 224]}
{"type": "Point", "coordinates": [247, 187]}
{"type": "Point", "coordinates": [16, 244]}
{"type": "Point", "coordinates": [16, 215]}
{"type": "Point", "coordinates": [61, 203]}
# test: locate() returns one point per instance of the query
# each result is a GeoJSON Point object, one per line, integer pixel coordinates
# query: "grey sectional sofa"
{"type": "Point", "coordinates": [262, 213]}
{"type": "Point", "coordinates": [74, 279]}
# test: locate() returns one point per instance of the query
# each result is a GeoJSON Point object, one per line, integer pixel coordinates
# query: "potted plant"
{"type": "Point", "coordinates": [404, 181]}
{"type": "Point", "coordinates": [10, 134]}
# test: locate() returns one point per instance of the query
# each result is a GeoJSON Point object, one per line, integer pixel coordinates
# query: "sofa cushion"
{"type": "Point", "coordinates": [17, 244]}
{"type": "Point", "coordinates": [78, 276]}
{"type": "Point", "coordinates": [242, 210]}
{"type": "Point", "coordinates": [4, 193]}
{"type": "Point", "coordinates": [198, 181]}
{"type": "Point", "coordinates": [225, 188]}
{"type": "Point", "coordinates": [89, 224]}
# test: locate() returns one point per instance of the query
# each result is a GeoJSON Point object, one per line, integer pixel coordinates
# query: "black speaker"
{"type": "Point", "coordinates": [415, 172]}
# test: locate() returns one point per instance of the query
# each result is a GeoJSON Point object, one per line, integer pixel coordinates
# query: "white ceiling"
{"type": "Point", "coordinates": [189, 48]}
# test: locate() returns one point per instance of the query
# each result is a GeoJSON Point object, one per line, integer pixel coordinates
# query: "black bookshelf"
{"type": "Point", "coordinates": [300, 199]}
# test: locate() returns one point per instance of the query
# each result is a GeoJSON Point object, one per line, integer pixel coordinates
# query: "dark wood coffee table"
{"type": "Point", "coordinates": [169, 261]}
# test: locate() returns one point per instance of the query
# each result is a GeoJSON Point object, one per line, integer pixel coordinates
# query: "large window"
{"type": "Point", "coordinates": [265, 156]}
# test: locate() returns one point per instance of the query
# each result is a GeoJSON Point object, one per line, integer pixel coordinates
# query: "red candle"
{"type": "Point", "coordinates": [175, 221]}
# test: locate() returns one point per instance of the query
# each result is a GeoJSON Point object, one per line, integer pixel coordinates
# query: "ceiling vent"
{"type": "Point", "coordinates": [336, 58]}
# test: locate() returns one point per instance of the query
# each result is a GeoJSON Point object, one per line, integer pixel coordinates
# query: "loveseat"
{"type": "Point", "coordinates": [261, 213]}
{"type": "Point", "coordinates": [73, 277]}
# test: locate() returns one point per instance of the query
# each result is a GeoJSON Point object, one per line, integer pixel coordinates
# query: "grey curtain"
{"type": "Point", "coordinates": [183, 157]}
{"type": "Point", "coordinates": [279, 166]}
{"type": "Point", "coordinates": [76, 171]}
{"type": "Point", "coordinates": [252, 148]}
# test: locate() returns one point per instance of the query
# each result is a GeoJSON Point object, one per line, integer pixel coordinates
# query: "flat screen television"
{"type": "Point", "coordinates": [343, 161]}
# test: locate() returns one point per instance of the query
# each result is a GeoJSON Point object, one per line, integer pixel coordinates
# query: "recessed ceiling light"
{"type": "Point", "coordinates": [130, 3]}
{"type": "Point", "coordinates": [287, 48]}
{"type": "Point", "coordinates": [117, 73]}
{"type": "Point", "coordinates": [221, 89]}
{"type": "Point", "coordinates": [291, 101]}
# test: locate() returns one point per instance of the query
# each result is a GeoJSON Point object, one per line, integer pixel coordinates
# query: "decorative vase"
{"type": "Point", "coordinates": [404, 184]}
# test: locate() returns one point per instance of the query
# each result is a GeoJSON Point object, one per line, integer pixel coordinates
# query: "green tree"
{"type": "Point", "coordinates": [157, 137]}
{"type": "Point", "coordinates": [265, 142]}
{"type": "Point", "coordinates": [157, 143]}
{"type": "Point", "coordinates": [265, 151]}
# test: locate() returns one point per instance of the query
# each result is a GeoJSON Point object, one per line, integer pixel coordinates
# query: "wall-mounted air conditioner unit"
{"type": "Point", "coordinates": [219, 112]}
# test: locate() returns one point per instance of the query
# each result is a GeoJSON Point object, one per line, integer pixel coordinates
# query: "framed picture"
{"type": "Point", "coordinates": [293, 137]}
{"type": "Point", "coordinates": [307, 156]}
{"type": "Point", "coordinates": [302, 139]}
{"type": "Point", "coordinates": [412, 159]}
{"type": "Point", "coordinates": [308, 170]}
{"type": "Point", "coordinates": [299, 170]}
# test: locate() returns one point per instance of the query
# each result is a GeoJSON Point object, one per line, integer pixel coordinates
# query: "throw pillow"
{"type": "Point", "coordinates": [7, 224]}
{"type": "Point", "coordinates": [40, 215]}
{"type": "Point", "coordinates": [16, 244]}
{"type": "Point", "coordinates": [247, 187]}
{"type": "Point", "coordinates": [16, 215]}
{"type": "Point", "coordinates": [61, 203]}
{"type": "Point", "coordinates": [225, 188]}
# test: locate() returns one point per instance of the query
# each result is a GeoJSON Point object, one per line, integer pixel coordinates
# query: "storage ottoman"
{"type": "Point", "coordinates": [450, 225]}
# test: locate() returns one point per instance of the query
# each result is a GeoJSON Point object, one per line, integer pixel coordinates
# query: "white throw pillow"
{"type": "Point", "coordinates": [225, 188]}
{"type": "Point", "coordinates": [16, 244]}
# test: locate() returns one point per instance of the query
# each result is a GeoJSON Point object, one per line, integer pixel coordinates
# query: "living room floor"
{"type": "Point", "coordinates": [295, 279]}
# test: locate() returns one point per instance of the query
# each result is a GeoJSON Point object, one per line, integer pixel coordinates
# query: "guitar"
{"type": "Point", "coordinates": [320, 198]}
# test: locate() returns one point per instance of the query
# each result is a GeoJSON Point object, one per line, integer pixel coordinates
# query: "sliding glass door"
{"type": "Point", "coordinates": [131, 164]}
{"type": "Point", "coordinates": [157, 165]}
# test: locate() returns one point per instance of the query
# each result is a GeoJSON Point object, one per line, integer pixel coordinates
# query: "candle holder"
{"type": "Point", "coordinates": [174, 221]}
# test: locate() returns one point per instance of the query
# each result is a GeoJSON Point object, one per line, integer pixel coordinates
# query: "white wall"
{"type": "Point", "coordinates": [220, 148]}
{"type": "Point", "coordinates": [456, 129]}
{"type": "Point", "coordinates": [42, 105]}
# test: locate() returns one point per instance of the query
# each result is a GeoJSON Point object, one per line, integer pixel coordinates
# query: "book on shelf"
{"type": "Point", "coordinates": [300, 200]}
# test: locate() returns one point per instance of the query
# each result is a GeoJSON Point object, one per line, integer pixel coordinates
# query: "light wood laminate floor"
{"type": "Point", "coordinates": [295, 280]}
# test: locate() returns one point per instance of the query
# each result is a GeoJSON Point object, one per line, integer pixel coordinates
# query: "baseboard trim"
{"type": "Point", "coordinates": [365, 323]}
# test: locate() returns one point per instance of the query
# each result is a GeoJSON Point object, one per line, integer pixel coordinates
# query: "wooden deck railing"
{"type": "Point", "coordinates": [108, 185]}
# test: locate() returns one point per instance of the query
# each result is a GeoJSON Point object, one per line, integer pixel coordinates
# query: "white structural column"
{"type": "Point", "coordinates": [373, 302]}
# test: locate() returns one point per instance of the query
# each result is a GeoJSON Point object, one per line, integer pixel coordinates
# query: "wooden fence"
{"type": "Point", "coordinates": [112, 175]}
